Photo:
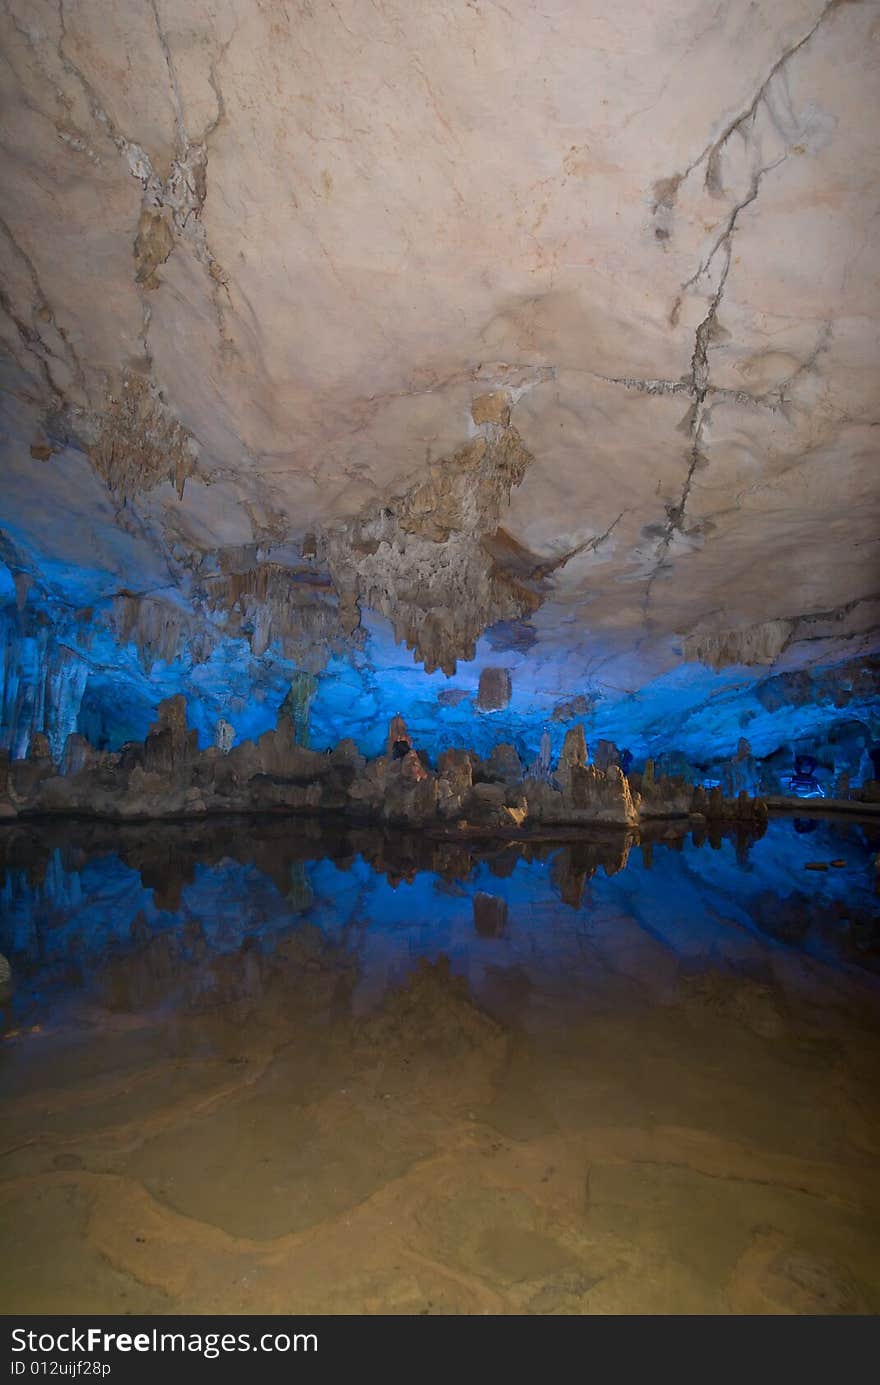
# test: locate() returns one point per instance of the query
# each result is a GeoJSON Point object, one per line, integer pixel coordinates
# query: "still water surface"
{"type": "Point", "coordinates": [265, 1066]}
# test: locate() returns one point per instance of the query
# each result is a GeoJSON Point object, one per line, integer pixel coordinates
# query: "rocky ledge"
{"type": "Point", "coordinates": [167, 776]}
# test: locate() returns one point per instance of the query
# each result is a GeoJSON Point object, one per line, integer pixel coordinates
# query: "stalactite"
{"type": "Point", "coordinates": [160, 630]}
{"type": "Point", "coordinates": [66, 678]}
{"type": "Point", "coordinates": [139, 443]}
{"type": "Point", "coordinates": [42, 686]}
{"type": "Point", "coordinates": [434, 560]}
{"type": "Point", "coordinates": [269, 602]}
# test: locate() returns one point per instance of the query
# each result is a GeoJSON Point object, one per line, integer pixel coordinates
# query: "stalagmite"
{"type": "Point", "coordinates": [224, 736]}
{"type": "Point", "coordinates": [398, 736]}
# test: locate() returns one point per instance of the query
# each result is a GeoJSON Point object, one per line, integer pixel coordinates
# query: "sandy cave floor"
{"type": "Point", "coordinates": [572, 1116]}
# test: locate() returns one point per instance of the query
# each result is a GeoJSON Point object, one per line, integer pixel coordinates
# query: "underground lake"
{"type": "Point", "coordinates": [254, 1062]}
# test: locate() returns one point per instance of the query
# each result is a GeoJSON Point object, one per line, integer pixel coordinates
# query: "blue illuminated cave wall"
{"type": "Point", "coordinates": [693, 710]}
{"type": "Point", "coordinates": [62, 680]}
{"type": "Point", "coordinates": [62, 672]}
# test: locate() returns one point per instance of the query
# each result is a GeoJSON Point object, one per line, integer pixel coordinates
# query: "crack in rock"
{"type": "Point", "coordinates": [134, 441]}
{"type": "Point", "coordinates": [790, 128]}
{"type": "Point", "coordinates": [546, 569]}
{"type": "Point", "coordinates": [666, 190]}
{"type": "Point", "coordinates": [37, 334]}
{"type": "Point", "coordinates": [631, 382]}
{"type": "Point", "coordinates": [171, 208]}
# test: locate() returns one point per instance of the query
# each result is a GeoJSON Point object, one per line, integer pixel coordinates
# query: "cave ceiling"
{"type": "Point", "coordinates": [393, 338]}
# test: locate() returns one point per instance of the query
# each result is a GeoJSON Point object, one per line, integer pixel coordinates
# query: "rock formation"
{"type": "Point", "coordinates": [167, 776]}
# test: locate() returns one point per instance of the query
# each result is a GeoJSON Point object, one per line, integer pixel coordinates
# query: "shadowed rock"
{"type": "Point", "coordinates": [490, 915]}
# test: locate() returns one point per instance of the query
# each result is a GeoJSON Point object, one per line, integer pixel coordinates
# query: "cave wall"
{"type": "Point", "coordinates": [61, 677]}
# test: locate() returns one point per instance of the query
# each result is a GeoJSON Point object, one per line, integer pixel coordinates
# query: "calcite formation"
{"type": "Point", "coordinates": [159, 629]}
{"type": "Point", "coordinates": [168, 777]}
{"type": "Point", "coordinates": [269, 603]}
{"type": "Point", "coordinates": [140, 443]}
{"type": "Point", "coordinates": [421, 561]}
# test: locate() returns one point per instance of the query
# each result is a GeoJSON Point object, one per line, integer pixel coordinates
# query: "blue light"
{"type": "Point", "coordinates": [691, 902]}
{"type": "Point", "coordinates": [799, 788]}
{"type": "Point", "coordinates": [60, 675]}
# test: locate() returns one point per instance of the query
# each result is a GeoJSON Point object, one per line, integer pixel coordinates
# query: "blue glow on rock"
{"type": "Point", "coordinates": [681, 902]}
{"type": "Point", "coordinates": [63, 671]}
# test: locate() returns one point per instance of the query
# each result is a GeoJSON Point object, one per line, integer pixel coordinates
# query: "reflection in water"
{"type": "Point", "coordinates": [76, 894]}
{"type": "Point", "coordinates": [256, 1065]}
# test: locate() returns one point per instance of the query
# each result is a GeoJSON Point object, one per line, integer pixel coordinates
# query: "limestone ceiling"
{"type": "Point", "coordinates": [346, 287]}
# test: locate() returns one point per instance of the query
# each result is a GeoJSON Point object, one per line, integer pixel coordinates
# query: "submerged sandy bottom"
{"type": "Point", "coordinates": [373, 1097]}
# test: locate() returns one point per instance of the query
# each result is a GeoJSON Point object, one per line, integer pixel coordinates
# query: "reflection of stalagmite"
{"type": "Point", "coordinates": [490, 915]}
{"type": "Point", "coordinates": [574, 865]}
{"type": "Point", "coordinates": [569, 878]}
{"type": "Point", "coordinates": [224, 736]}
{"type": "Point", "coordinates": [300, 895]}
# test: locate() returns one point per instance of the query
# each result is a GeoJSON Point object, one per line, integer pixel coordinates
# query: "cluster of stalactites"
{"type": "Point", "coordinates": [269, 602]}
{"type": "Point", "coordinates": [421, 561]}
{"type": "Point", "coordinates": [42, 683]}
{"type": "Point", "coordinates": [139, 442]}
{"type": "Point", "coordinates": [161, 630]}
